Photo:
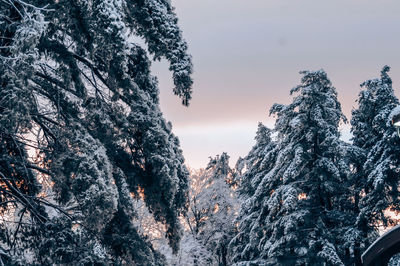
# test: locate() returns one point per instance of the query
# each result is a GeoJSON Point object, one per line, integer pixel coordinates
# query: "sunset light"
{"type": "Point", "coordinates": [199, 133]}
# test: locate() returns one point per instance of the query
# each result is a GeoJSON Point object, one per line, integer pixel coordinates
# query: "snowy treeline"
{"type": "Point", "coordinates": [308, 198]}
{"type": "Point", "coordinates": [302, 196]}
{"type": "Point", "coordinates": [315, 200]}
{"type": "Point", "coordinates": [91, 173]}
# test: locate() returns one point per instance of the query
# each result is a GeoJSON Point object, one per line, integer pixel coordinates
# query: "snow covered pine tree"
{"type": "Point", "coordinates": [376, 173]}
{"type": "Point", "coordinates": [257, 164]}
{"type": "Point", "coordinates": [296, 205]}
{"type": "Point", "coordinates": [81, 132]}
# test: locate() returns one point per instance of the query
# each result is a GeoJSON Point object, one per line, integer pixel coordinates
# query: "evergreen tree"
{"type": "Point", "coordinates": [297, 205]}
{"type": "Point", "coordinates": [369, 123]}
{"type": "Point", "coordinates": [257, 164]}
{"type": "Point", "coordinates": [377, 172]}
{"type": "Point", "coordinates": [81, 131]}
{"type": "Point", "coordinates": [377, 97]}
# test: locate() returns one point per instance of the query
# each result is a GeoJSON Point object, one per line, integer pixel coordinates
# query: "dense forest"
{"type": "Point", "coordinates": [91, 173]}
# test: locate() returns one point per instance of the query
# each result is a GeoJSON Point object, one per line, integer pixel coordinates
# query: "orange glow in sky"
{"type": "Point", "coordinates": [247, 56]}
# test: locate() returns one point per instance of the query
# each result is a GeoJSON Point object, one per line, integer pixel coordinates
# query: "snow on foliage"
{"type": "Point", "coordinates": [293, 216]}
{"type": "Point", "coordinates": [212, 209]}
{"type": "Point", "coordinates": [91, 173]}
{"type": "Point", "coordinates": [82, 132]}
{"type": "Point", "coordinates": [376, 170]}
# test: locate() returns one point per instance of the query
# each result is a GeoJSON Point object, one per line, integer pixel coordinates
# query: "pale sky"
{"type": "Point", "coordinates": [247, 55]}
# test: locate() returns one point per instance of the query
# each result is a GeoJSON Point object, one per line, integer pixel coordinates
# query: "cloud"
{"type": "Point", "coordinates": [247, 55]}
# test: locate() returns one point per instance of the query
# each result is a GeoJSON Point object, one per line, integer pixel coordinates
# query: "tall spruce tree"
{"type": "Point", "coordinates": [257, 164]}
{"type": "Point", "coordinates": [370, 126]}
{"type": "Point", "coordinates": [81, 131]}
{"type": "Point", "coordinates": [297, 205]}
{"type": "Point", "coordinates": [378, 172]}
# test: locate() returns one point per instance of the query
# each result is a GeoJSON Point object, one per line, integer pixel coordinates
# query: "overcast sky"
{"type": "Point", "coordinates": [247, 55]}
